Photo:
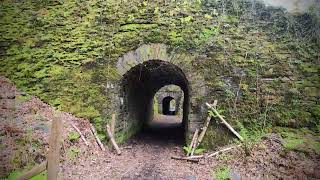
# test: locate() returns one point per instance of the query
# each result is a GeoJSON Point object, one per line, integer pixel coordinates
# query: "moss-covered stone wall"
{"type": "Point", "coordinates": [262, 63]}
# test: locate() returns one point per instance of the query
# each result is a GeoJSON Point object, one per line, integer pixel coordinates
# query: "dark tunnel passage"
{"type": "Point", "coordinates": [139, 86]}
{"type": "Point", "coordinates": [167, 108]}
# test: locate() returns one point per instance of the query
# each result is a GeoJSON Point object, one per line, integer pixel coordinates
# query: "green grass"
{"type": "Point", "coordinates": [16, 174]}
{"type": "Point", "coordinates": [22, 99]}
{"type": "Point", "coordinates": [292, 144]}
{"type": "Point", "coordinates": [222, 173]}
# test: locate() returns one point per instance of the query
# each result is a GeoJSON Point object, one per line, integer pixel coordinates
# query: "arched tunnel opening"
{"type": "Point", "coordinates": [139, 86]}
{"type": "Point", "coordinates": [168, 106]}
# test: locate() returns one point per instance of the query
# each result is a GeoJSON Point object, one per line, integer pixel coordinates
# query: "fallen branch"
{"type": "Point", "coordinates": [112, 140]}
{"type": "Point", "coordinates": [225, 122]}
{"type": "Point", "coordinates": [223, 150]}
{"type": "Point", "coordinates": [196, 157]}
{"type": "Point", "coordinates": [81, 135]}
{"type": "Point", "coordinates": [34, 171]}
{"type": "Point", "coordinates": [185, 158]}
{"type": "Point", "coordinates": [97, 138]}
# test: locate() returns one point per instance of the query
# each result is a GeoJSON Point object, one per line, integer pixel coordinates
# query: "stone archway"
{"type": "Point", "coordinates": [145, 71]}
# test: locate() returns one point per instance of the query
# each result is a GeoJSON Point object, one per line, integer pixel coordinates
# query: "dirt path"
{"type": "Point", "coordinates": [146, 156]}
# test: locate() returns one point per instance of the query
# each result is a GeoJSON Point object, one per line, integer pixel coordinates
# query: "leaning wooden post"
{"type": "Point", "coordinates": [195, 135]}
{"type": "Point", "coordinates": [225, 122]}
{"type": "Point", "coordinates": [94, 132]}
{"type": "Point", "coordinates": [206, 125]}
{"type": "Point", "coordinates": [115, 145]}
{"type": "Point", "coordinates": [54, 149]}
{"type": "Point", "coordinates": [81, 135]}
{"type": "Point", "coordinates": [113, 123]}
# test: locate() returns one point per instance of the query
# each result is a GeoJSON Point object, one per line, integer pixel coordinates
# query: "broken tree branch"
{"type": "Point", "coordinates": [225, 122]}
{"type": "Point", "coordinates": [112, 140]}
{"type": "Point", "coordinates": [81, 135]}
{"type": "Point", "coordinates": [97, 138]}
{"type": "Point", "coordinates": [34, 171]}
{"type": "Point", "coordinates": [223, 150]}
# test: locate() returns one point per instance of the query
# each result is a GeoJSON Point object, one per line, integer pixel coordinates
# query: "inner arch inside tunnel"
{"type": "Point", "coordinates": [167, 105]}
{"type": "Point", "coordinates": [139, 86]}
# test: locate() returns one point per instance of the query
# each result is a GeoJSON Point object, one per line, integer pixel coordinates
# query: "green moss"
{"type": "Point", "coordinates": [217, 135]}
{"type": "Point", "coordinates": [22, 99]}
{"type": "Point", "coordinates": [300, 140]}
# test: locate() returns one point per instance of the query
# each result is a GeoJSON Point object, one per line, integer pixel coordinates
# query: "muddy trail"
{"type": "Point", "coordinates": [25, 123]}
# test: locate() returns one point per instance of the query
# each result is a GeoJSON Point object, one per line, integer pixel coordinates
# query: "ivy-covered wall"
{"type": "Point", "coordinates": [262, 63]}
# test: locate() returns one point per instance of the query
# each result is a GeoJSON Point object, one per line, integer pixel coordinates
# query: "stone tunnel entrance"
{"type": "Point", "coordinates": [139, 86]}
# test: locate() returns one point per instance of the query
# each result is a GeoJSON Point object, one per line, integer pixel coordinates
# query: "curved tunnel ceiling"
{"type": "Point", "coordinates": [156, 74]}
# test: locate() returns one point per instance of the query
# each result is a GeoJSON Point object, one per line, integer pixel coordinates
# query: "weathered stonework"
{"type": "Point", "coordinates": [145, 71]}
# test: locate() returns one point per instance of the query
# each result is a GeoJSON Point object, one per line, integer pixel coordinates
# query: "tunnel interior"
{"type": "Point", "coordinates": [139, 86]}
{"type": "Point", "coordinates": [168, 106]}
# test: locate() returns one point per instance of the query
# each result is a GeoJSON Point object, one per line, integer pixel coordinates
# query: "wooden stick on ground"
{"type": "Point", "coordinates": [185, 158]}
{"type": "Point", "coordinates": [225, 122]}
{"type": "Point", "coordinates": [193, 140]}
{"type": "Point", "coordinates": [223, 150]}
{"type": "Point", "coordinates": [112, 140]}
{"type": "Point", "coordinates": [34, 171]}
{"type": "Point", "coordinates": [54, 149]}
{"type": "Point", "coordinates": [113, 123]}
{"type": "Point", "coordinates": [81, 135]}
{"type": "Point", "coordinates": [97, 138]}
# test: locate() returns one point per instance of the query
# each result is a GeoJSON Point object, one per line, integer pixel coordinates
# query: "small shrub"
{"type": "Point", "coordinates": [252, 135]}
